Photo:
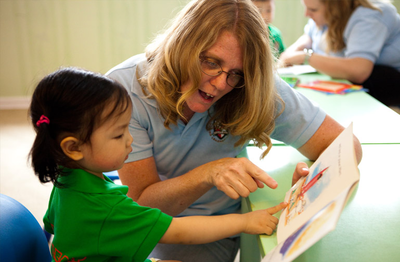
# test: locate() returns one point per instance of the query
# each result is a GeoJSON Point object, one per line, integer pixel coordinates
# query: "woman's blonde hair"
{"type": "Point", "coordinates": [248, 112]}
{"type": "Point", "coordinates": [337, 14]}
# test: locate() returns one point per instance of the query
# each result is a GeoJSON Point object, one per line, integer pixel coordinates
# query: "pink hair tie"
{"type": "Point", "coordinates": [42, 119]}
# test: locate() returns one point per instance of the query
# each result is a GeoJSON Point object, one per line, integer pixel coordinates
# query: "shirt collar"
{"type": "Point", "coordinates": [83, 181]}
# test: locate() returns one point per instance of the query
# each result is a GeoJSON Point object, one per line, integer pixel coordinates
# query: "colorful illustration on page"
{"type": "Point", "coordinates": [305, 192]}
{"type": "Point", "coordinates": [308, 231]}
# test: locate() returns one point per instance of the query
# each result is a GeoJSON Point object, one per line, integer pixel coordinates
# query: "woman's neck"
{"type": "Point", "coordinates": [187, 113]}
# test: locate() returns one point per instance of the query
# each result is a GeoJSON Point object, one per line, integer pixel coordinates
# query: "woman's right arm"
{"type": "Point", "coordinates": [172, 196]}
{"type": "Point", "coordinates": [234, 176]}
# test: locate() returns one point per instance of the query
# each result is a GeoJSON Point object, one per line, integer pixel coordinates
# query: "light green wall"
{"type": "Point", "coordinates": [290, 19]}
{"type": "Point", "coordinates": [39, 36]}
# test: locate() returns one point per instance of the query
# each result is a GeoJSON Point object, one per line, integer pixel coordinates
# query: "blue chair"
{"type": "Point", "coordinates": [21, 237]}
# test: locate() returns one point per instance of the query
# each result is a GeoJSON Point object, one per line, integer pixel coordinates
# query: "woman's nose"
{"type": "Point", "coordinates": [219, 81]}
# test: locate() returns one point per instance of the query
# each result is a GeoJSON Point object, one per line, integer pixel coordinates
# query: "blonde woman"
{"type": "Point", "coordinates": [202, 91]}
{"type": "Point", "coordinates": [357, 40]}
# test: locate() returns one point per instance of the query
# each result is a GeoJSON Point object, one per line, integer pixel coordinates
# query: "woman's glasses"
{"type": "Point", "coordinates": [212, 68]}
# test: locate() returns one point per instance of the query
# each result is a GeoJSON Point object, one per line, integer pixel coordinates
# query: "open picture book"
{"type": "Point", "coordinates": [316, 201]}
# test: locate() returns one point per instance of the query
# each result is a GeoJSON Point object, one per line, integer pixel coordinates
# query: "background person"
{"type": "Point", "coordinates": [202, 91]}
{"type": "Point", "coordinates": [357, 40]}
{"type": "Point", "coordinates": [267, 10]}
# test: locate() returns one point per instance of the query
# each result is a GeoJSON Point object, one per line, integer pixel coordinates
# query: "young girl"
{"type": "Point", "coordinates": [81, 121]}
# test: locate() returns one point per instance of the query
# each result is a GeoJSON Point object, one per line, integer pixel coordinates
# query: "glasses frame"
{"type": "Point", "coordinates": [204, 58]}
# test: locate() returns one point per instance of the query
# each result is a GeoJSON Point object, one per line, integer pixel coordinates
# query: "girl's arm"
{"type": "Point", "coordinates": [206, 229]}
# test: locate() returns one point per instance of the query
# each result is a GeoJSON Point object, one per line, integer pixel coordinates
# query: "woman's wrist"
{"type": "Point", "coordinates": [307, 55]}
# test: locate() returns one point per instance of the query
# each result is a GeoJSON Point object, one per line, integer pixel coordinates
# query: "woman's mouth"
{"type": "Point", "coordinates": [206, 96]}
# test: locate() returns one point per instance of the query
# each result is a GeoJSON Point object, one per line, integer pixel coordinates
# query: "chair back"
{"type": "Point", "coordinates": [21, 236]}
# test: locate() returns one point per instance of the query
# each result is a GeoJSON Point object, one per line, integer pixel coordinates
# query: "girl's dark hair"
{"type": "Point", "coordinates": [73, 100]}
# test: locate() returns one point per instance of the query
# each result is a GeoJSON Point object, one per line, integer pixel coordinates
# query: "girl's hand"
{"type": "Point", "coordinates": [237, 177]}
{"type": "Point", "coordinates": [263, 221]}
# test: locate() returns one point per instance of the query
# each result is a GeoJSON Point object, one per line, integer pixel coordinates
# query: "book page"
{"type": "Point", "coordinates": [308, 234]}
{"type": "Point", "coordinates": [333, 173]}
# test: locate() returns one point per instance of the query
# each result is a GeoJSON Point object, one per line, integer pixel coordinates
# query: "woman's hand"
{"type": "Point", "coordinates": [300, 171]}
{"type": "Point", "coordinates": [292, 58]}
{"type": "Point", "coordinates": [263, 221]}
{"type": "Point", "coordinates": [294, 54]}
{"type": "Point", "coordinates": [237, 177]}
{"type": "Point", "coordinates": [234, 176]}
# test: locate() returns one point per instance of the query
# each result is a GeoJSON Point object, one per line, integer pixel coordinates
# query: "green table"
{"type": "Point", "coordinates": [369, 227]}
{"type": "Point", "coordinates": [374, 123]}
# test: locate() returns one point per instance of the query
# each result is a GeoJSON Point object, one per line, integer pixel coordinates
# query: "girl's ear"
{"type": "Point", "coordinates": [71, 148]}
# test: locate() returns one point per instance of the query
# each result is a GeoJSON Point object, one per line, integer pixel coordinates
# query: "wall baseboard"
{"type": "Point", "coordinates": [15, 102]}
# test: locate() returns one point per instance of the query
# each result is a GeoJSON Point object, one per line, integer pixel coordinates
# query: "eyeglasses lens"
{"type": "Point", "coordinates": [213, 69]}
